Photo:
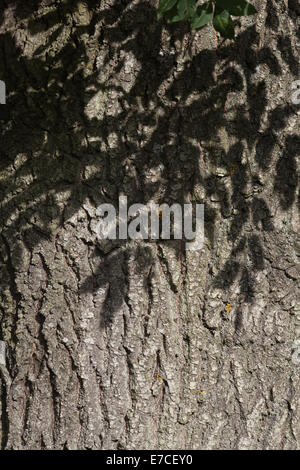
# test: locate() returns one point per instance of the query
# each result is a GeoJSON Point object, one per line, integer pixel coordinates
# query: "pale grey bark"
{"type": "Point", "coordinates": [142, 345]}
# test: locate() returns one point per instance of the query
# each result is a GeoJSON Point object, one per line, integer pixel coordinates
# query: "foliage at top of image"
{"type": "Point", "coordinates": [217, 11]}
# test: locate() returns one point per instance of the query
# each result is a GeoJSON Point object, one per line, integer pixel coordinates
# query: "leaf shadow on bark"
{"type": "Point", "coordinates": [50, 146]}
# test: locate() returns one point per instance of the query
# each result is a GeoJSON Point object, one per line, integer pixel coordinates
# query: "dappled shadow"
{"type": "Point", "coordinates": [146, 143]}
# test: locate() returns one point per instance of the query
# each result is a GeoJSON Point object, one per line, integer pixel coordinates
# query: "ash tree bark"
{"type": "Point", "coordinates": [135, 344]}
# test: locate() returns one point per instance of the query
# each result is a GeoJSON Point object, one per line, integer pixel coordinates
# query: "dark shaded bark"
{"type": "Point", "coordinates": [134, 344]}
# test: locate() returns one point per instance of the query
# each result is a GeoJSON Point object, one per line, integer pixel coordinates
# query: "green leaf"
{"type": "Point", "coordinates": [236, 7]}
{"type": "Point", "coordinates": [182, 11]}
{"type": "Point", "coordinates": [204, 14]}
{"type": "Point", "coordinates": [185, 8]}
{"type": "Point", "coordinates": [224, 25]}
{"type": "Point", "coordinates": [172, 15]}
{"type": "Point", "coordinates": [164, 6]}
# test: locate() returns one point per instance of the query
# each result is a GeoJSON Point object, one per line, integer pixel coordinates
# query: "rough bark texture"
{"type": "Point", "coordinates": [132, 344]}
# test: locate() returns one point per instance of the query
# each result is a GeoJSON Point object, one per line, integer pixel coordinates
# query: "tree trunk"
{"type": "Point", "coordinates": [140, 344]}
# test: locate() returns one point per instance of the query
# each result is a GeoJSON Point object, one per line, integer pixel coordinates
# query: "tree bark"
{"type": "Point", "coordinates": [139, 344]}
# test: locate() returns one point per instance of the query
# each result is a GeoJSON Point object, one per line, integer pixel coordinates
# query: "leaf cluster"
{"type": "Point", "coordinates": [219, 12]}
